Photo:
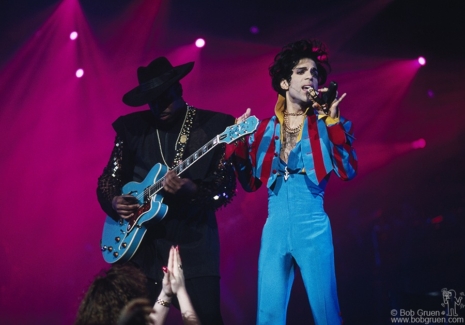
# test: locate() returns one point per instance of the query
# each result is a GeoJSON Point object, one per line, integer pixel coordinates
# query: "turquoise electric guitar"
{"type": "Point", "coordinates": [121, 238]}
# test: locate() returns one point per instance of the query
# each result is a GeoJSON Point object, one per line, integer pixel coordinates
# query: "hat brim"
{"type": "Point", "coordinates": [137, 97]}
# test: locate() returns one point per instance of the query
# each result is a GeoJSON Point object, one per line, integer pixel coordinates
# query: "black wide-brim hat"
{"type": "Point", "coordinates": [154, 79]}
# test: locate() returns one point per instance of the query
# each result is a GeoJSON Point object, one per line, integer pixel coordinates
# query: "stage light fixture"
{"type": "Point", "coordinates": [422, 60]}
{"type": "Point", "coordinates": [79, 73]}
{"type": "Point", "coordinates": [200, 42]}
{"type": "Point", "coordinates": [73, 35]}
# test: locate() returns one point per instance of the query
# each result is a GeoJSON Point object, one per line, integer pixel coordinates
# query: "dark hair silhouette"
{"type": "Point", "coordinates": [109, 292]}
{"type": "Point", "coordinates": [290, 56]}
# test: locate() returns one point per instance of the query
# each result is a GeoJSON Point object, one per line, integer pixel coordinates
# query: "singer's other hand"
{"type": "Point", "coordinates": [244, 116]}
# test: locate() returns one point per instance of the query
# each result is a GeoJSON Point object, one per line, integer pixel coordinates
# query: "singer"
{"type": "Point", "coordinates": [294, 152]}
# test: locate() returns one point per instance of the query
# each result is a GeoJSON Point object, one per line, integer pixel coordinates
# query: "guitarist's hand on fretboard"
{"type": "Point", "coordinates": [125, 205]}
{"type": "Point", "coordinates": [175, 185]}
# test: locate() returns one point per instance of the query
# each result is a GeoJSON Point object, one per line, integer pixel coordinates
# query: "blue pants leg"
{"type": "Point", "coordinates": [275, 277]}
{"type": "Point", "coordinates": [297, 231]}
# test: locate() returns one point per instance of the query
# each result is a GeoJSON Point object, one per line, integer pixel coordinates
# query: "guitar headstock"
{"type": "Point", "coordinates": [236, 131]}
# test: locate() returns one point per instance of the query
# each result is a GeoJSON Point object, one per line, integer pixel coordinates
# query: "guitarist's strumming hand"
{"type": "Point", "coordinates": [125, 205]}
{"type": "Point", "coordinates": [175, 185]}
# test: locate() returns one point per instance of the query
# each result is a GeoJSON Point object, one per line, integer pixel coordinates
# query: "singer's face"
{"type": "Point", "coordinates": [304, 75]}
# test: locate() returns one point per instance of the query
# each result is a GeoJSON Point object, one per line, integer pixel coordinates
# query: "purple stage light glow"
{"type": "Point", "coordinates": [79, 73]}
{"type": "Point", "coordinates": [419, 144]}
{"type": "Point", "coordinates": [422, 60]}
{"type": "Point", "coordinates": [200, 42]}
{"type": "Point", "coordinates": [254, 30]}
{"type": "Point", "coordinates": [73, 36]}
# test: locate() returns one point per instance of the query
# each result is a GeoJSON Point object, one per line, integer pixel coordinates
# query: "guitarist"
{"type": "Point", "coordinates": [166, 133]}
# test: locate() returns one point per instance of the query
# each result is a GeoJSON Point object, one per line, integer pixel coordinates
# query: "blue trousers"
{"type": "Point", "coordinates": [297, 233]}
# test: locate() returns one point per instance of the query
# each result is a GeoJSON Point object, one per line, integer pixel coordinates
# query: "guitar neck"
{"type": "Point", "coordinates": [185, 164]}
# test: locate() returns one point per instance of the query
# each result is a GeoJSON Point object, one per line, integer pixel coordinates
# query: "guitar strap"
{"type": "Point", "coordinates": [184, 134]}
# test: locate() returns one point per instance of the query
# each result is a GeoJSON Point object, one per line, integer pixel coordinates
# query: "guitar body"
{"type": "Point", "coordinates": [121, 239]}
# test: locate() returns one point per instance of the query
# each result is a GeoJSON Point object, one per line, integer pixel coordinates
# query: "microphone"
{"type": "Point", "coordinates": [323, 99]}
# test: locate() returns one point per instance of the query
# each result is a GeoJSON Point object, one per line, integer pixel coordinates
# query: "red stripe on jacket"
{"type": "Point", "coordinates": [315, 144]}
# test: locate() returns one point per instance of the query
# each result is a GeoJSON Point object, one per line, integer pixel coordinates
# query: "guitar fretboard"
{"type": "Point", "coordinates": [185, 164]}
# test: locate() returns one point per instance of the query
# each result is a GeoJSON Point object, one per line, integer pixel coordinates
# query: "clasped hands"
{"type": "Point", "coordinates": [173, 280]}
{"type": "Point", "coordinates": [173, 285]}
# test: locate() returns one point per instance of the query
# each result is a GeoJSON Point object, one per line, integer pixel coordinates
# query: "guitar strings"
{"type": "Point", "coordinates": [200, 150]}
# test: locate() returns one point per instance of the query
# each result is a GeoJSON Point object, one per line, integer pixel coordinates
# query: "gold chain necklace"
{"type": "Point", "coordinates": [159, 142]}
{"type": "Point", "coordinates": [286, 123]}
{"type": "Point", "coordinates": [286, 113]}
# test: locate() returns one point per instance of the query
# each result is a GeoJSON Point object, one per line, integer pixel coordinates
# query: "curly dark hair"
{"type": "Point", "coordinates": [290, 56]}
{"type": "Point", "coordinates": [109, 292]}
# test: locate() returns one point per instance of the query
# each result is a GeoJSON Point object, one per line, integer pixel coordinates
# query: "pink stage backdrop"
{"type": "Point", "coordinates": [57, 136]}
